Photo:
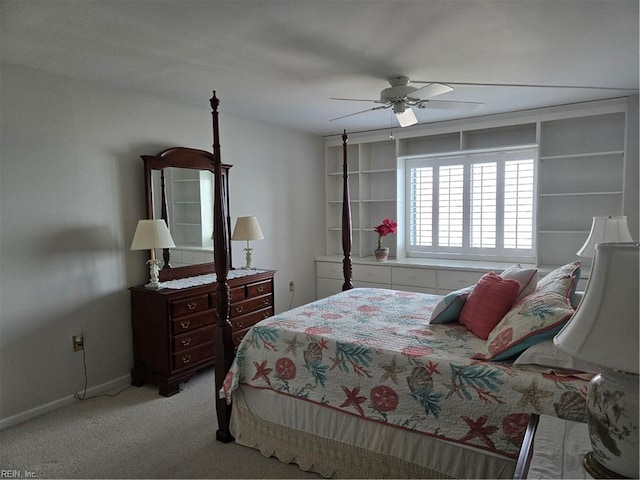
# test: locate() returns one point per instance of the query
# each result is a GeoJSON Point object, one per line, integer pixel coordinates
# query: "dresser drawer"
{"type": "Point", "coordinates": [193, 338]}
{"type": "Point", "coordinates": [329, 270]}
{"type": "Point", "coordinates": [250, 319]}
{"type": "Point", "coordinates": [192, 356]}
{"type": "Point", "coordinates": [414, 277]}
{"type": "Point", "coordinates": [191, 322]}
{"type": "Point", "coordinates": [250, 305]}
{"type": "Point", "coordinates": [372, 274]}
{"type": "Point", "coordinates": [455, 279]}
{"type": "Point", "coordinates": [257, 289]}
{"type": "Point", "coordinates": [187, 306]}
{"type": "Point", "coordinates": [235, 295]}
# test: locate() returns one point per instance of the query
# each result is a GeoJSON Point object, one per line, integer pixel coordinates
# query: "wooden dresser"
{"type": "Point", "coordinates": [173, 328]}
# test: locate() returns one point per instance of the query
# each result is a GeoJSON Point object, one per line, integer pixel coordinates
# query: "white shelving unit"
{"type": "Point", "coordinates": [581, 173]}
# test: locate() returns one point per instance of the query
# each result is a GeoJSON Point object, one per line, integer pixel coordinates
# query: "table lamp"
{"type": "Point", "coordinates": [152, 234]}
{"type": "Point", "coordinates": [604, 331]}
{"type": "Point", "coordinates": [605, 229]}
{"type": "Point", "coordinates": [247, 228]}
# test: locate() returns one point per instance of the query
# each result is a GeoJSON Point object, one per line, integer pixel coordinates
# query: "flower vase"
{"type": "Point", "coordinates": [382, 253]}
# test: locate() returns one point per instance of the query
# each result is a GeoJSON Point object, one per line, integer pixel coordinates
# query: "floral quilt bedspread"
{"type": "Point", "coordinates": [372, 353]}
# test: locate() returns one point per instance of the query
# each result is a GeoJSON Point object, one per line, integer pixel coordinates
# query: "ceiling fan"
{"type": "Point", "coordinates": [401, 96]}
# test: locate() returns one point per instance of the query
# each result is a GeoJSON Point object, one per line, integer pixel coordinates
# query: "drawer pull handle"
{"type": "Point", "coordinates": [185, 323]}
{"type": "Point", "coordinates": [260, 288]}
{"type": "Point", "coordinates": [186, 358]}
{"type": "Point", "coordinates": [265, 301]}
{"type": "Point", "coordinates": [239, 323]}
{"type": "Point", "coordinates": [239, 309]}
{"type": "Point", "coordinates": [186, 341]}
{"type": "Point", "coordinates": [265, 315]}
{"type": "Point", "coordinates": [192, 304]}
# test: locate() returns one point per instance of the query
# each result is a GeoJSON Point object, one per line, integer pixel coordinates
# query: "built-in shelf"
{"type": "Point", "coordinates": [582, 155]}
{"type": "Point", "coordinates": [580, 172]}
{"type": "Point", "coordinates": [578, 194]}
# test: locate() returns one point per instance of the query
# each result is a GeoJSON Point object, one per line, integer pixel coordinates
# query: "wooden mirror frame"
{"type": "Point", "coordinates": [182, 157]}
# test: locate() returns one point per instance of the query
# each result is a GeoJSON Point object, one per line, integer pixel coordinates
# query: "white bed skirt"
{"type": "Point", "coordinates": [338, 445]}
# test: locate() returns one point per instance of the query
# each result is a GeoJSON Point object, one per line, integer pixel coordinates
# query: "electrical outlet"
{"type": "Point", "coordinates": [292, 286]}
{"type": "Point", "coordinates": [78, 342]}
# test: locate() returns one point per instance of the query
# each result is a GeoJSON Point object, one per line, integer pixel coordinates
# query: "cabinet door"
{"type": "Point", "coordinates": [326, 287]}
{"type": "Point", "coordinates": [450, 280]}
{"type": "Point", "coordinates": [372, 274]}
{"type": "Point", "coordinates": [424, 278]}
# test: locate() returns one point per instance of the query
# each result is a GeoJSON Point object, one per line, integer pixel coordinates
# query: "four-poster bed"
{"type": "Point", "coordinates": [369, 383]}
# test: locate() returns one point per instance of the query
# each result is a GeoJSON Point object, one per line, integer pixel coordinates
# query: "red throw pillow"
{"type": "Point", "coordinates": [490, 300]}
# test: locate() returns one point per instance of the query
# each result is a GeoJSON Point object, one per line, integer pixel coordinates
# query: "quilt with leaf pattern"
{"type": "Point", "coordinates": [372, 353]}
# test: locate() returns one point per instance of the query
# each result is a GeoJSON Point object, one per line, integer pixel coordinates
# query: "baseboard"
{"type": "Point", "coordinates": [62, 402]}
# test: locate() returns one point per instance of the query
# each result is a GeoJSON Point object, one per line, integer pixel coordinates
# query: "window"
{"type": "Point", "coordinates": [472, 205]}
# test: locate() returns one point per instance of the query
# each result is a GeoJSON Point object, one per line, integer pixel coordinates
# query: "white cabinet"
{"type": "Point", "coordinates": [411, 276]}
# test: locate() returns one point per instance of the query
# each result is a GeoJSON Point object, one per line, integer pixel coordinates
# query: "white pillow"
{"type": "Point", "coordinates": [526, 277]}
{"type": "Point", "coordinates": [546, 354]}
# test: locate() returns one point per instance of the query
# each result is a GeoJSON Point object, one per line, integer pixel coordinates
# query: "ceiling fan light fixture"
{"type": "Point", "coordinates": [404, 114]}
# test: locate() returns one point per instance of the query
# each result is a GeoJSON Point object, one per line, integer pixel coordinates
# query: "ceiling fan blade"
{"type": "Point", "coordinates": [354, 99]}
{"type": "Point", "coordinates": [431, 90]}
{"type": "Point", "coordinates": [450, 105]}
{"type": "Point", "coordinates": [361, 111]}
{"type": "Point", "coordinates": [477, 84]}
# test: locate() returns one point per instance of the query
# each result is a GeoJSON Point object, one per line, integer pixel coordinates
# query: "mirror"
{"type": "Point", "coordinates": [179, 185]}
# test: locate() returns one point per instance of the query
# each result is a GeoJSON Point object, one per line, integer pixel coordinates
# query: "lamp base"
{"type": "Point", "coordinates": [595, 468]}
{"type": "Point", "coordinates": [612, 418]}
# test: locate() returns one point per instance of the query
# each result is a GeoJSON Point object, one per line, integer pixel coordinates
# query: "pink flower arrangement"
{"type": "Point", "coordinates": [385, 228]}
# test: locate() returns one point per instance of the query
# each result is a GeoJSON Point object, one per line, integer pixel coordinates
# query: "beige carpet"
{"type": "Point", "coordinates": [136, 434]}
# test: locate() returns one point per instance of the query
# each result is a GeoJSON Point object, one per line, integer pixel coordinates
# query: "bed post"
{"type": "Point", "coordinates": [346, 217]}
{"type": "Point", "coordinates": [223, 341]}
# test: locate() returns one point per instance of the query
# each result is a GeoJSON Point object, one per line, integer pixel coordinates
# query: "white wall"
{"type": "Point", "coordinates": [71, 194]}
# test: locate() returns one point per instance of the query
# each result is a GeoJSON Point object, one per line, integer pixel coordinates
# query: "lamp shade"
{"type": "Point", "coordinates": [604, 328]}
{"type": "Point", "coordinates": [151, 234]}
{"type": "Point", "coordinates": [247, 228]}
{"type": "Point", "coordinates": [404, 114]}
{"type": "Point", "coordinates": [605, 229]}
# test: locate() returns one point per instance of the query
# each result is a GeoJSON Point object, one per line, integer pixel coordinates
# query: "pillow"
{"type": "Point", "coordinates": [537, 318]}
{"type": "Point", "coordinates": [562, 280]}
{"type": "Point", "coordinates": [526, 277]}
{"type": "Point", "coordinates": [488, 302]}
{"type": "Point", "coordinates": [546, 354]}
{"type": "Point", "coordinates": [448, 309]}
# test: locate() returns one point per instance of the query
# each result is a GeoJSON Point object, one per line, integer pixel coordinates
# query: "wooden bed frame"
{"type": "Point", "coordinates": [224, 349]}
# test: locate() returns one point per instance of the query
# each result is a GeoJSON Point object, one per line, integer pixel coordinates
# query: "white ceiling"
{"type": "Point", "coordinates": [280, 61]}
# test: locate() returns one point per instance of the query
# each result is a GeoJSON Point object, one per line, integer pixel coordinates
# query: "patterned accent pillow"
{"type": "Point", "coordinates": [526, 277]}
{"type": "Point", "coordinates": [448, 309]}
{"type": "Point", "coordinates": [489, 301]}
{"type": "Point", "coordinates": [537, 318]}
{"type": "Point", "coordinates": [563, 280]}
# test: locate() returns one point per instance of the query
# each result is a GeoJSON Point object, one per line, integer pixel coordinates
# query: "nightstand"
{"type": "Point", "coordinates": [553, 448]}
